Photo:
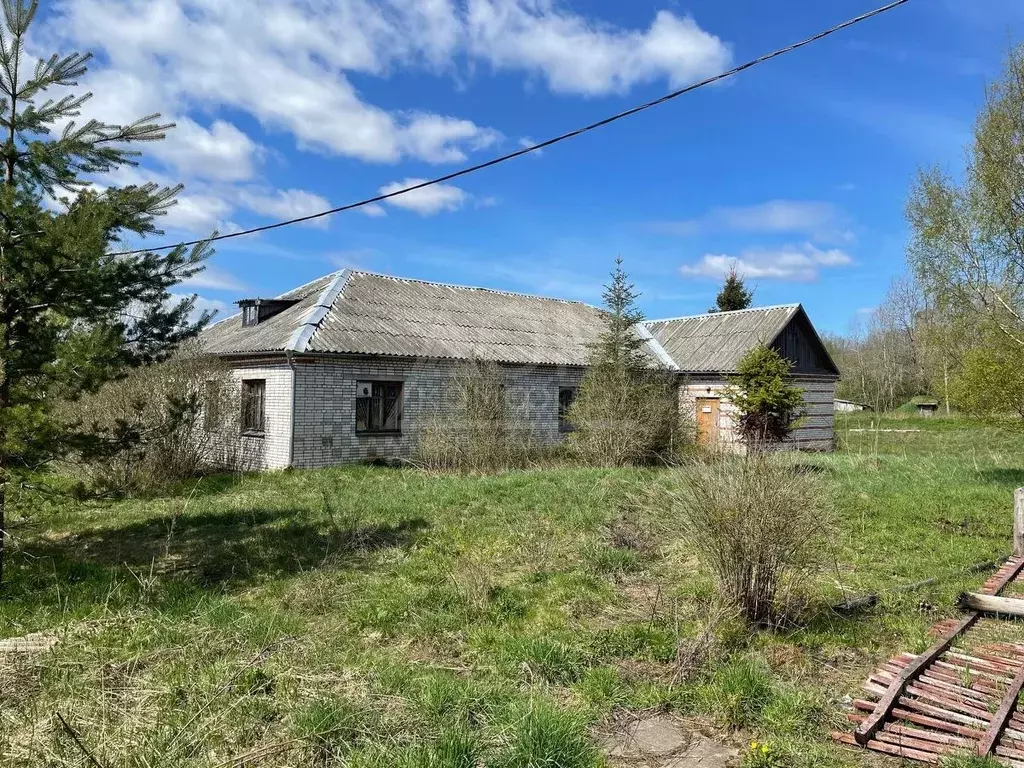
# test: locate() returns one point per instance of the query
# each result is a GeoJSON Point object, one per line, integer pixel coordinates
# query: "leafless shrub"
{"type": "Point", "coordinates": [626, 417]}
{"type": "Point", "coordinates": [159, 425]}
{"type": "Point", "coordinates": [477, 428]}
{"type": "Point", "coordinates": [759, 525]}
{"type": "Point", "coordinates": [629, 530]}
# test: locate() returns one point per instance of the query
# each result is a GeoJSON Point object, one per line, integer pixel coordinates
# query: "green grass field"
{"type": "Point", "coordinates": [384, 617]}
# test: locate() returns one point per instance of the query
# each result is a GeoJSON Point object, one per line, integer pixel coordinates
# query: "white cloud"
{"type": "Point", "coordinates": [198, 214]}
{"type": "Point", "coordinates": [220, 152]}
{"type": "Point", "coordinates": [285, 204]}
{"type": "Point", "coordinates": [216, 279]}
{"type": "Point", "coordinates": [820, 220]}
{"type": "Point", "coordinates": [577, 55]}
{"type": "Point", "coordinates": [801, 263]}
{"type": "Point", "coordinates": [282, 63]}
{"type": "Point", "coordinates": [374, 210]}
{"type": "Point", "coordinates": [218, 308]}
{"type": "Point", "coordinates": [426, 201]}
{"type": "Point", "coordinates": [286, 64]}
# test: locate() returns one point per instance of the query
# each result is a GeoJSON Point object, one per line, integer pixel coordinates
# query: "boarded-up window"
{"type": "Point", "coordinates": [250, 314]}
{"type": "Point", "coordinates": [211, 405]}
{"type": "Point", "coordinates": [566, 397]}
{"type": "Point", "coordinates": [253, 406]}
{"type": "Point", "coordinates": [379, 406]}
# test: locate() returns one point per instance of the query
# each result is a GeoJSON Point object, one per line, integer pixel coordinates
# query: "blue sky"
{"type": "Point", "coordinates": [797, 171]}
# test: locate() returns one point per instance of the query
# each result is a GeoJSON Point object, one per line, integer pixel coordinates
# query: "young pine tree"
{"type": "Point", "coordinates": [734, 294]}
{"type": "Point", "coordinates": [766, 401]}
{"type": "Point", "coordinates": [626, 410]}
{"type": "Point", "coordinates": [73, 314]}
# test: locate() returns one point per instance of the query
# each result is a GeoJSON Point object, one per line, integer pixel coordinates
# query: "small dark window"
{"type": "Point", "coordinates": [250, 314]}
{"type": "Point", "coordinates": [253, 406]}
{"type": "Point", "coordinates": [211, 406]}
{"type": "Point", "coordinates": [379, 406]}
{"type": "Point", "coordinates": [566, 397]}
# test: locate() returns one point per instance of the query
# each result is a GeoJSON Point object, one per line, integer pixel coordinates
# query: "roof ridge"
{"type": "Point", "coordinates": [472, 288]}
{"type": "Point", "coordinates": [302, 335]}
{"type": "Point", "coordinates": [794, 305]}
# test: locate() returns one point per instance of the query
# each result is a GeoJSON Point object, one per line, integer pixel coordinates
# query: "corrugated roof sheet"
{"type": "Point", "coordinates": [717, 342]}
{"type": "Point", "coordinates": [355, 312]}
{"type": "Point", "coordinates": [229, 336]}
{"type": "Point", "coordinates": [382, 315]}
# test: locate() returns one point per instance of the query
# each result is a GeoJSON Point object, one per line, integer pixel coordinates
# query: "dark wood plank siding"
{"type": "Point", "coordinates": [799, 344]}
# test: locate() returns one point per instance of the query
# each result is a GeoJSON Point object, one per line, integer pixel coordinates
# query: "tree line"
{"type": "Point", "coordinates": [953, 325]}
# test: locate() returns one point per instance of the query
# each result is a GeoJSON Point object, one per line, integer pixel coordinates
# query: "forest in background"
{"type": "Point", "coordinates": [952, 326]}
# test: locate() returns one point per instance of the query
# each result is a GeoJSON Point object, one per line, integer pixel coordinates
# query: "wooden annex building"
{"type": "Point", "coordinates": [352, 366]}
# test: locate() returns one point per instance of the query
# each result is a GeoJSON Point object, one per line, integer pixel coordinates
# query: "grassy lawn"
{"type": "Point", "coordinates": [382, 617]}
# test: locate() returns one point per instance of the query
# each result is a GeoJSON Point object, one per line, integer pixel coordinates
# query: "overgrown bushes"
{"type": "Point", "coordinates": [155, 426]}
{"type": "Point", "coordinates": [760, 525]}
{"type": "Point", "coordinates": [627, 408]}
{"type": "Point", "coordinates": [766, 401]}
{"type": "Point", "coordinates": [477, 428]}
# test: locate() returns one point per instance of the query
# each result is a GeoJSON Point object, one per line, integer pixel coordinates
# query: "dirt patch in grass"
{"type": "Point", "coordinates": [661, 740]}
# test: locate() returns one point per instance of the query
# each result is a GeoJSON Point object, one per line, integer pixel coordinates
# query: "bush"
{"type": "Point", "coordinates": [627, 409]}
{"type": "Point", "coordinates": [477, 429]}
{"type": "Point", "coordinates": [625, 417]}
{"type": "Point", "coordinates": [150, 425]}
{"type": "Point", "coordinates": [759, 525]}
{"type": "Point", "coordinates": [764, 398]}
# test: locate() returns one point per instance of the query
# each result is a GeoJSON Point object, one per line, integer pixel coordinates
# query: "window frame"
{"type": "Point", "coordinates": [258, 427]}
{"type": "Point", "coordinates": [564, 425]}
{"type": "Point", "coordinates": [212, 394]}
{"type": "Point", "coordinates": [399, 399]}
{"type": "Point", "coordinates": [250, 315]}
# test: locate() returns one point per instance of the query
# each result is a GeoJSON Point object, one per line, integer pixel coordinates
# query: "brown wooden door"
{"type": "Point", "coordinates": [707, 420]}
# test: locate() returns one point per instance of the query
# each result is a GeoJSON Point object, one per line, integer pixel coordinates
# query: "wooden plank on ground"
{"type": "Point", "coordinates": [1005, 606]}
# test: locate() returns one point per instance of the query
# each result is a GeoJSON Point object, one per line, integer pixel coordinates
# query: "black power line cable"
{"type": "Point", "coordinates": [535, 147]}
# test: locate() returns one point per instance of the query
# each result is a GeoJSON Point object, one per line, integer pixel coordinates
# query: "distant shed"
{"type": "Point", "coordinates": [850, 406]}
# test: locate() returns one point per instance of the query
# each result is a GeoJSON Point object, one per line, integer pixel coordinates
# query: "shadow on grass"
{"type": "Point", "coordinates": [1004, 476]}
{"type": "Point", "coordinates": [223, 550]}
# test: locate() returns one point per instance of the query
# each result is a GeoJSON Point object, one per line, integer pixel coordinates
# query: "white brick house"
{"type": "Point", "coordinates": [352, 366]}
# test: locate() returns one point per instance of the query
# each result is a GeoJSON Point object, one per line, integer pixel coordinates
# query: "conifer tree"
{"type": "Point", "coordinates": [764, 397]}
{"type": "Point", "coordinates": [72, 313]}
{"type": "Point", "coordinates": [627, 409]}
{"type": "Point", "coordinates": [734, 294]}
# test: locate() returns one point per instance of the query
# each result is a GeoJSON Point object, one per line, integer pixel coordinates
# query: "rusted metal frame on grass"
{"type": "Point", "coordinates": [1002, 716]}
{"type": "Point", "coordinates": [866, 730]}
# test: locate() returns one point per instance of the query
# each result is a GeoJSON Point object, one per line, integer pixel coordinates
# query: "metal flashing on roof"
{"type": "Point", "coordinates": [721, 314]}
{"type": "Point", "coordinates": [300, 339]}
{"type": "Point", "coordinates": [655, 348]}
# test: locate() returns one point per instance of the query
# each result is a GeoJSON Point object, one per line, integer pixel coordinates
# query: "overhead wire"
{"type": "Point", "coordinates": [532, 147]}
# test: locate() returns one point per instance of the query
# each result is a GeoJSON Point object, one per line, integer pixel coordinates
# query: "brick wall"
{"type": "Point", "coordinates": [272, 450]}
{"type": "Point", "coordinates": [325, 399]}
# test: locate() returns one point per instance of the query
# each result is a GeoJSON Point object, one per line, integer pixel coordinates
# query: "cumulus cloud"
{"type": "Point", "coordinates": [819, 220]}
{"type": "Point", "coordinates": [282, 63]}
{"type": "Point", "coordinates": [426, 201]}
{"type": "Point", "coordinates": [801, 263]}
{"type": "Point", "coordinates": [578, 55]}
{"type": "Point", "coordinates": [285, 204]}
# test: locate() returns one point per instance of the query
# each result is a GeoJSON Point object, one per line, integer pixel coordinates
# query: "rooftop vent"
{"type": "Point", "coordinates": [255, 311]}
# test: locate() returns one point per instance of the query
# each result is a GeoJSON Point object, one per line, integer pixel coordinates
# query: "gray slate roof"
{"type": "Point", "coordinates": [717, 342]}
{"type": "Point", "coordinates": [375, 314]}
{"type": "Point", "coordinates": [356, 312]}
